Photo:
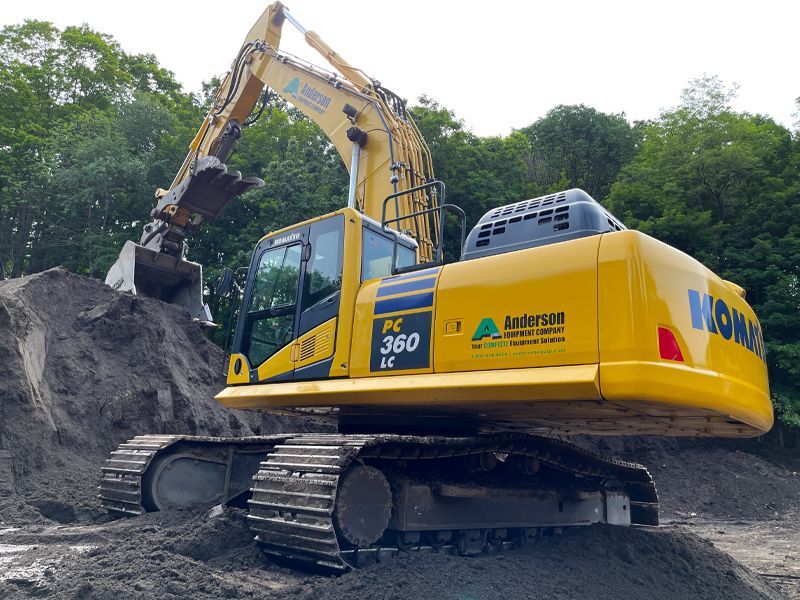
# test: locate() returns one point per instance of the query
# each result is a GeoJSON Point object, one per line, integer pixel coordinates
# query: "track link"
{"type": "Point", "coordinates": [294, 493]}
{"type": "Point", "coordinates": [123, 486]}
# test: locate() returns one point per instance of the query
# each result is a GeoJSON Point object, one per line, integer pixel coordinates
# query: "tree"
{"type": "Point", "coordinates": [480, 173]}
{"type": "Point", "coordinates": [578, 146]}
{"type": "Point", "coordinates": [102, 170]}
{"type": "Point", "coordinates": [50, 78]}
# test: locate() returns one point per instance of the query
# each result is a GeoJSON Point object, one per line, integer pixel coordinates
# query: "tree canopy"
{"type": "Point", "coordinates": [88, 132]}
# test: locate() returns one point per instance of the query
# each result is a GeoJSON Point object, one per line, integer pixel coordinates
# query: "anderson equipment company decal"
{"type": "Point", "coordinates": [521, 335]}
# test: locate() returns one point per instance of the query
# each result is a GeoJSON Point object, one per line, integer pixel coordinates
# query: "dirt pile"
{"type": "Point", "coordinates": [714, 478]}
{"type": "Point", "coordinates": [184, 555]}
{"type": "Point", "coordinates": [83, 368]}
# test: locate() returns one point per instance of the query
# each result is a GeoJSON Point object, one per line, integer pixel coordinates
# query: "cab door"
{"type": "Point", "coordinates": [268, 323]}
{"type": "Point", "coordinates": [320, 299]}
{"type": "Point", "coordinates": [287, 329]}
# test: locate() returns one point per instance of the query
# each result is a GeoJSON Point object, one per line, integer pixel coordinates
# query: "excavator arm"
{"type": "Point", "coordinates": [369, 126]}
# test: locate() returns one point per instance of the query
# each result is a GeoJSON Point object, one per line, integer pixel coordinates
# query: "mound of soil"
{"type": "Point", "coordinates": [184, 555]}
{"type": "Point", "coordinates": [713, 478]}
{"type": "Point", "coordinates": [82, 369]}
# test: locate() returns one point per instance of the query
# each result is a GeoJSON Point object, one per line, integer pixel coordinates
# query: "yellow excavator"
{"type": "Point", "coordinates": [452, 386]}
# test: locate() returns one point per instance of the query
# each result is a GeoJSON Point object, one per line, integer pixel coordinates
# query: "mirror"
{"type": "Point", "coordinates": [225, 283]}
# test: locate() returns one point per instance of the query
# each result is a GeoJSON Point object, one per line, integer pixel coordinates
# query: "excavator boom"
{"type": "Point", "coordinates": [369, 126]}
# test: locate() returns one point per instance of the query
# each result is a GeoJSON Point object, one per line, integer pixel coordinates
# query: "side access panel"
{"type": "Point", "coordinates": [530, 308]}
{"type": "Point", "coordinates": [393, 327]}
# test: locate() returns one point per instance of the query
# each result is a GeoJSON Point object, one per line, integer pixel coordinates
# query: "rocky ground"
{"type": "Point", "coordinates": [83, 368]}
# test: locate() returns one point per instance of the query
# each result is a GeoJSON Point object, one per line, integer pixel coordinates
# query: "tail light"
{"type": "Point", "coordinates": [668, 346]}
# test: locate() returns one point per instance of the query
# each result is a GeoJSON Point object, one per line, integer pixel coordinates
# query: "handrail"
{"type": "Point", "coordinates": [440, 208]}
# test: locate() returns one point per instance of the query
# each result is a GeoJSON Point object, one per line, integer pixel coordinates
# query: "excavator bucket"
{"type": "Point", "coordinates": [154, 267]}
{"type": "Point", "coordinates": [147, 272]}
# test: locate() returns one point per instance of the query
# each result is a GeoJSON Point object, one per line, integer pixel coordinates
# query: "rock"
{"type": "Point", "coordinates": [176, 589]}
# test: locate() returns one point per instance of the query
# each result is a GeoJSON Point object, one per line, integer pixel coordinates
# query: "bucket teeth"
{"type": "Point", "coordinates": [209, 188]}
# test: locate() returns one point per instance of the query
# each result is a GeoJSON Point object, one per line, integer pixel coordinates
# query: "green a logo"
{"type": "Point", "coordinates": [292, 87]}
{"type": "Point", "coordinates": [486, 328]}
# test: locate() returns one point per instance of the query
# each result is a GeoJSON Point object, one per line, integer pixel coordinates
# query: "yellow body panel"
{"type": "Point", "coordinates": [558, 338]}
{"type": "Point", "coordinates": [445, 392]}
{"type": "Point", "coordinates": [560, 280]}
{"type": "Point", "coordinates": [645, 284]}
{"type": "Point", "coordinates": [238, 369]}
{"type": "Point", "coordinates": [371, 324]}
{"type": "Point", "coordinates": [316, 345]}
{"type": "Point", "coordinates": [351, 273]}
{"type": "Point", "coordinates": [280, 363]}
{"type": "Point", "coordinates": [313, 346]}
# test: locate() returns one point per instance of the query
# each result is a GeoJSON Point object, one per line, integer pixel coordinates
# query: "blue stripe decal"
{"type": "Point", "coordinates": [404, 303]}
{"type": "Point", "coordinates": [431, 271]}
{"type": "Point", "coordinates": [409, 286]}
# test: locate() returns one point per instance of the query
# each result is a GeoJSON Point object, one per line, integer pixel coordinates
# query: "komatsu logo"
{"type": "Point", "coordinates": [284, 239]}
{"type": "Point", "coordinates": [714, 315]}
{"type": "Point", "coordinates": [308, 96]}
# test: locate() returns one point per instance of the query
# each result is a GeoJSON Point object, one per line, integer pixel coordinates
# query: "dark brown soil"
{"type": "Point", "coordinates": [82, 368]}
{"type": "Point", "coordinates": [166, 555]}
{"type": "Point", "coordinates": [716, 479]}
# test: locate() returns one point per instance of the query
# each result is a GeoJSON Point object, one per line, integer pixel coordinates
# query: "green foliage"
{"type": "Point", "coordinates": [480, 173]}
{"type": "Point", "coordinates": [578, 146]}
{"type": "Point", "coordinates": [85, 130]}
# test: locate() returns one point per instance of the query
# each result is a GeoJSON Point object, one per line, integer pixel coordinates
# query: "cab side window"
{"type": "Point", "coordinates": [324, 269]}
{"type": "Point", "coordinates": [376, 257]}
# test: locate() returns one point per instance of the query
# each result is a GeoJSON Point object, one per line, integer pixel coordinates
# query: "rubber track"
{"type": "Point", "coordinates": [294, 491]}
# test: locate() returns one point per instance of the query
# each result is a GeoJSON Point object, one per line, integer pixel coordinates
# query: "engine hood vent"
{"type": "Point", "coordinates": [544, 220]}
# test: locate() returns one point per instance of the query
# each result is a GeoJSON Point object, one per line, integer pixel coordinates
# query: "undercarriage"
{"type": "Point", "coordinates": [336, 501]}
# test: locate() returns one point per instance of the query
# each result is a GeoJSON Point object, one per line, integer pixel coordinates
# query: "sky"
{"type": "Point", "coordinates": [498, 65]}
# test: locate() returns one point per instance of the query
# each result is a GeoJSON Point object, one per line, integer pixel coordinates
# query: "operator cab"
{"type": "Point", "coordinates": [295, 285]}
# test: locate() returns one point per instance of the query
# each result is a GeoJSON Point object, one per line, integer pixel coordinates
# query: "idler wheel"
{"type": "Point", "coordinates": [363, 506]}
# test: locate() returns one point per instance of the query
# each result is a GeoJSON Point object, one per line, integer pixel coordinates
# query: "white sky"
{"type": "Point", "coordinates": [499, 64]}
